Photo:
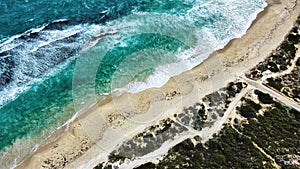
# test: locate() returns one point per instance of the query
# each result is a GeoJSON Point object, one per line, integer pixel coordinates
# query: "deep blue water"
{"type": "Point", "coordinates": [135, 42]}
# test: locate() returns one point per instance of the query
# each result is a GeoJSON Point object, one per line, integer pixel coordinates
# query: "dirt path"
{"type": "Point", "coordinates": [273, 93]}
{"type": "Point", "coordinates": [207, 133]}
{"type": "Point", "coordinates": [260, 149]}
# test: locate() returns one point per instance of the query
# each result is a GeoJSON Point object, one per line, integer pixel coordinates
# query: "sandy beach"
{"type": "Point", "coordinates": [94, 134]}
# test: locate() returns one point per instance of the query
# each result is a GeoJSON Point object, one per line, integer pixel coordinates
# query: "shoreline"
{"type": "Point", "coordinates": [113, 104]}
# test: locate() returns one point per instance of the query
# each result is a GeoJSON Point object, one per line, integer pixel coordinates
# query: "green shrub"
{"type": "Point", "coordinates": [273, 67]}
{"type": "Point", "coordinates": [247, 111]}
{"type": "Point", "coordinates": [263, 97]}
{"type": "Point", "coordinates": [146, 166]}
{"type": "Point", "coordinates": [298, 62]}
{"type": "Point", "coordinates": [253, 104]}
{"type": "Point", "coordinates": [275, 83]}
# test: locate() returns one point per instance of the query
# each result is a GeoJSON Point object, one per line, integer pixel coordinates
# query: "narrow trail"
{"type": "Point", "coordinates": [207, 133]}
{"type": "Point", "coordinates": [259, 149]}
{"type": "Point", "coordinates": [267, 155]}
{"type": "Point", "coordinates": [273, 93]}
{"type": "Point", "coordinates": [158, 154]}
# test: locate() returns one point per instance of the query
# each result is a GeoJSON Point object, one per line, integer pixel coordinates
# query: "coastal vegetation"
{"type": "Point", "coordinates": [203, 113]}
{"type": "Point", "coordinates": [148, 141]}
{"type": "Point", "coordinates": [276, 132]}
{"type": "Point", "coordinates": [227, 150]}
{"type": "Point", "coordinates": [281, 59]}
{"type": "Point", "coordinates": [211, 107]}
{"type": "Point", "coordinates": [282, 67]}
{"type": "Point", "coordinates": [288, 84]}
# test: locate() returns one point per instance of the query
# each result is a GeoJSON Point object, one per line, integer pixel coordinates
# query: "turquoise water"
{"type": "Point", "coordinates": [48, 98]}
{"type": "Point", "coordinates": [76, 50]}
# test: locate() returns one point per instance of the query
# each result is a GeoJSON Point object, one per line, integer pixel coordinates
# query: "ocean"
{"type": "Point", "coordinates": [59, 57]}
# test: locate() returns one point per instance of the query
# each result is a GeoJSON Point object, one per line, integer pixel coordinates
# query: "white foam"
{"type": "Point", "coordinates": [26, 62]}
{"type": "Point", "coordinates": [191, 57]}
